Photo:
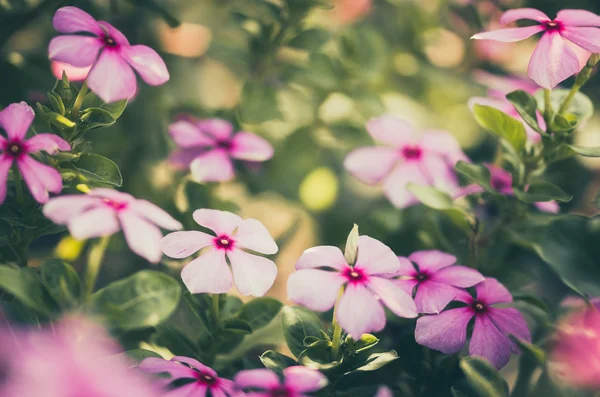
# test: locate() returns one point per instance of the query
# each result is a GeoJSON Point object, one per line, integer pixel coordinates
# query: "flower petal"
{"type": "Point", "coordinates": [250, 147]}
{"type": "Point", "coordinates": [15, 119]}
{"type": "Point", "coordinates": [111, 194]}
{"type": "Point", "coordinates": [147, 63]}
{"type": "Point", "coordinates": [188, 135]}
{"type": "Point", "coordinates": [73, 20]}
{"type": "Point", "coordinates": [578, 18]}
{"type": "Point", "coordinates": [509, 35]}
{"type": "Point", "coordinates": [155, 365]}
{"type": "Point", "coordinates": [212, 166]}
{"type": "Point", "coordinates": [303, 379]}
{"type": "Point", "coordinates": [257, 378]}
{"type": "Point", "coordinates": [440, 173]}
{"type": "Point", "coordinates": [95, 222]}
{"type": "Point", "coordinates": [359, 312]}
{"type": "Point", "coordinates": [552, 61]}
{"type": "Point", "coordinates": [384, 391]}
{"type": "Point", "coordinates": [458, 276]}
{"type": "Point", "coordinates": [75, 50]}
{"type": "Point", "coordinates": [376, 257]}
{"type": "Point", "coordinates": [407, 285]}
{"type": "Point", "coordinates": [154, 214]}
{"type": "Point", "coordinates": [111, 78]}
{"type": "Point", "coordinates": [40, 178]}
{"type": "Point", "coordinates": [491, 291]}
{"type": "Point", "coordinates": [391, 130]}
{"type": "Point", "coordinates": [445, 332]}
{"type": "Point", "coordinates": [49, 143]}
{"type": "Point", "coordinates": [254, 275]}
{"type": "Point", "coordinates": [321, 256]}
{"type": "Point", "coordinates": [406, 267]}
{"type": "Point", "coordinates": [114, 33]}
{"type": "Point", "coordinates": [61, 209]}
{"type": "Point", "coordinates": [142, 236]}
{"type": "Point", "coordinates": [586, 38]}
{"type": "Point", "coordinates": [183, 244]}
{"type": "Point", "coordinates": [217, 128]}
{"type": "Point", "coordinates": [371, 164]}
{"type": "Point", "coordinates": [443, 144]}
{"type": "Point", "coordinates": [510, 321]}
{"type": "Point", "coordinates": [433, 297]}
{"type": "Point", "coordinates": [432, 260]}
{"type": "Point", "coordinates": [523, 13]}
{"type": "Point", "coordinates": [195, 364]}
{"type": "Point", "coordinates": [220, 222]}
{"type": "Point", "coordinates": [314, 289]}
{"type": "Point", "coordinates": [253, 235]}
{"type": "Point", "coordinates": [208, 273]}
{"type": "Point", "coordinates": [395, 185]}
{"type": "Point", "coordinates": [5, 164]}
{"type": "Point", "coordinates": [488, 342]}
{"type": "Point", "coordinates": [181, 159]}
{"type": "Point", "coordinates": [393, 297]}
{"type": "Point", "coordinates": [548, 206]}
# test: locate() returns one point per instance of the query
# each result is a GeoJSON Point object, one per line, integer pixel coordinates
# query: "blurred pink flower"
{"type": "Point", "coordinates": [348, 11]}
{"type": "Point", "coordinates": [40, 178]}
{"type": "Point", "coordinates": [447, 331]}
{"type": "Point", "coordinates": [297, 381]}
{"type": "Point", "coordinates": [74, 73]}
{"type": "Point", "coordinates": [103, 212]}
{"type": "Point", "coordinates": [384, 391]}
{"type": "Point", "coordinates": [322, 271]}
{"type": "Point", "coordinates": [209, 273]}
{"type": "Point", "coordinates": [553, 60]}
{"type": "Point", "coordinates": [111, 77]}
{"type": "Point", "coordinates": [208, 148]}
{"type": "Point", "coordinates": [408, 157]}
{"type": "Point", "coordinates": [437, 282]}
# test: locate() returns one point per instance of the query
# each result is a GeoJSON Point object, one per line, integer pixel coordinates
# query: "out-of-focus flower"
{"type": "Point", "coordinates": [209, 273]}
{"type": "Point", "coordinates": [197, 378]}
{"type": "Point", "coordinates": [384, 391]}
{"type": "Point", "coordinates": [40, 178]}
{"type": "Point", "coordinates": [408, 157]}
{"type": "Point", "coordinates": [348, 11]}
{"type": "Point", "coordinates": [319, 189]}
{"type": "Point", "coordinates": [103, 212]}
{"type": "Point", "coordinates": [186, 40]}
{"type": "Point", "coordinates": [111, 77]}
{"type": "Point", "coordinates": [437, 282]}
{"type": "Point", "coordinates": [447, 331]}
{"type": "Point", "coordinates": [74, 73]}
{"type": "Point", "coordinates": [209, 145]}
{"type": "Point", "coordinates": [553, 60]}
{"type": "Point", "coordinates": [321, 272]}
{"type": "Point", "coordinates": [297, 381]}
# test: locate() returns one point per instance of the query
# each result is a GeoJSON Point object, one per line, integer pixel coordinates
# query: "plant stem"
{"type": "Point", "coordinates": [547, 106]}
{"type": "Point", "coordinates": [95, 257]}
{"type": "Point", "coordinates": [18, 185]}
{"type": "Point", "coordinates": [337, 330]}
{"type": "Point", "coordinates": [216, 310]}
{"type": "Point", "coordinates": [79, 100]}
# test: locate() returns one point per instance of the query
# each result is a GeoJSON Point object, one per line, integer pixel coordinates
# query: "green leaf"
{"type": "Point", "coordinates": [376, 361]}
{"type": "Point", "coordinates": [310, 39]}
{"type": "Point", "coordinates": [526, 105]}
{"type": "Point", "coordinates": [56, 103]}
{"type": "Point", "coordinates": [159, 9]}
{"type": "Point", "coordinates": [259, 312]}
{"type": "Point", "coordinates": [58, 120]}
{"type": "Point", "coordinates": [585, 151]}
{"type": "Point", "coordinates": [62, 282]}
{"type": "Point", "coordinates": [351, 250]}
{"type": "Point", "coordinates": [298, 323]}
{"type": "Point", "coordinates": [26, 286]}
{"type": "Point", "coordinates": [476, 173]}
{"type": "Point", "coordinates": [441, 201]}
{"type": "Point", "coordinates": [237, 326]}
{"type": "Point", "coordinates": [276, 361]}
{"type": "Point", "coordinates": [99, 170]}
{"type": "Point", "coordinates": [175, 340]}
{"type": "Point", "coordinates": [531, 350]}
{"type": "Point", "coordinates": [483, 377]}
{"type": "Point", "coordinates": [542, 191]}
{"type": "Point", "coordinates": [258, 103]}
{"type": "Point", "coordinates": [581, 107]}
{"type": "Point", "coordinates": [365, 342]}
{"type": "Point", "coordinates": [136, 356]}
{"type": "Point", "coordinates": [501, 125]}
{"type": "Point", "coordinates": [562, 124]}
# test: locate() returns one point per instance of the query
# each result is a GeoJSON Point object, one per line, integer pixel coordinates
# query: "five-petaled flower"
{"type": "Point", "coordinates": [447, 331]}
{"type": "Point", "coordinates": [208, 147]}
{"type": "Point", "coordinates": [103, 212]}
{"type": "Point", "coordinates": [297, 381]}
{"type": "Point", "coordinates": [209, 273]}
{"type": "Point", "coordinates": [111, 76]}
{"type": "Point", "coordinates": [40, 178]}
{"type": "Point", "coordinates": [553, 60]}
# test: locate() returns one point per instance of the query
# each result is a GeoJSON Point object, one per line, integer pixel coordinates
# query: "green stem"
{"type": "Point", "coordinates": [547, 106]}
{"type": "Point", "coordinates": [79, 100]}
{"type": "Point", "coordinates": [337, 330]}
{"type": "Point", "coordinates": [95, 257]}
{"type": "Point", "coordinates": [215, 310]}
{"type": "Point", "coordinates": [18, 186]}
{"type": "Point", "coordinates": [569, 98]}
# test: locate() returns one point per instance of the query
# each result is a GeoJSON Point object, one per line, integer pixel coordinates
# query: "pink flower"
{"type": "Point", "coordinates": [408, 157]}
{"type": "Point", "coordinates": [323, 271]}
{"type": "Point", "coordinates": [208, 147]}
{"type": "Point", "coordinates": [384, 391]}
{"type": "Point", "coordinates": [209, 273]}
{"type": "Point", "coordinates": [112, 76]}
{"type": "Point", "coordinates": [74, 73]}
{"type": "Point", "coordinates": [447, 331]}
{"type": "Point", "coordinates": [437, 282]}
{"type": "Point", "coordinates": [297, 381]}
{"type": "Point", "coordinates": [40, 178]}
{"type": "Point", "coordinates": [553, 60]}
{"type": "Point", "coordinates": [103, 212]}
{"type": "Point", "coordinates": [196, 378]}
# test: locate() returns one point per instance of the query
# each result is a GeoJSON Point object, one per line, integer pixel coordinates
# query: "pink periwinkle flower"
{"type": "Point", "coordinates": [40, 178]}
{"type": "Point", "coordinates": [209, 272]}
{"type": "Point", "coordinates": [111, 77]}
{"type": "Point", "coordinates": [297, 381]}
{"type": "Point", "coordinates": [436, 281]}
{"type": "Point", "coordinates": [407, 157]}
{"type": "Point", "coordinates": [197, 379]}
{"type": "Point", "coordinates": [209, 146]}
{"type": "Point", "coordinates": [553, 60]}
{"type": "Point", "coordinates": [103, 212]}
{"type": "Point", "coordinates": [322, 271]}
{"type": "Point", "coordinates": [447, 331]}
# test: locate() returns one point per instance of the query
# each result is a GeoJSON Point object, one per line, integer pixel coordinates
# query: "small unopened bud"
{"type": "Point", "coordinates": [351, 250]}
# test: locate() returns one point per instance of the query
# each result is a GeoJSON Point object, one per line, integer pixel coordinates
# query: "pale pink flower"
{"type": "Point", "coordinates": [408, 157]}
{"type": "Point", "coordinates": [297, 381]}
{"type": "Point", "coordinates": [111, 77]}
{"type": "Point", "coordinates": [74, 73]}
{"type": "Point", "coordinates": [209, 272]}
{"type": "Point", "coordinates": [553, 60]}
{"type": "Point", "coordinates": [384, 391]}
{"type": "Point", "coordinates": [208, 148]}
{"type": "Point", "coordinates": [103, 212]}
{"type": "Point", "coordinates": [40, 178]}
{"type": "Point", "coordinates": [322, 271]}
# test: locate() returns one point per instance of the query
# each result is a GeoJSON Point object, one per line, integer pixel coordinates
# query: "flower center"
{"type": "Point", "coordinates": [109, 41]}
{"type": "Point", "coordinates": [412, 152]}
{"type": "Point", "coordinates": [224, 242]}
{"type": "Point", "coordinates": [421, 277]}
{"type": "Point", "coordinates": [225, 144]}
{"type": "Point", "coordinates": [14, 149]}
{"type": "Point", "coordinates": [500, 183]}
{"type": "Point", "coordinates": [478, 306]}
{"type": "Point", "coordinates": [280, 391]}
{"type": "Point", "coordinates": [355, 275]}
{"type": "Point", "coordinates": [553, 26]}
{"type": "Point", "coordinates": [116, 205]}
{"type": "Point", "coordinates": [207, 379]}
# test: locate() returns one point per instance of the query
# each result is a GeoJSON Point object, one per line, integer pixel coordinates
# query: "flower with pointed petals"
{"type": "Point", "coordinates": [447, 331]}
{"type": "Point", "coordinates": [322, 271]}
{"type": "Point", "coordinates": [40, 178]}
{"type": "Point", "coordinates": [436, 281]}
{"type": "Point", "coordinates": [297, 381]}
{"type": "Point", "coordinates": [108, 50]}
{"type": "Point", "coordinates": [408, 157]}
{"type": "Point", "coordinates": [103, 212]}
{"type": "Point", "coordinates": [194, 379]}
{"type": "Point", "coordinates": [553, 60]}
{"type": "Point", "coordinates": [208, 147]}
{"type": "Point", "coordinates": [209, 273]}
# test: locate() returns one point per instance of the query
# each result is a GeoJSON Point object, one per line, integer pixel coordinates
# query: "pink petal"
{"type": "Point", "coordinates": [407, 285]}
{"type": "Point", "coordinates": [212, 166]}
{"type": "Point", "coordinates": [73, 20]}
{"type": "Point", "coordinates": [111, 194]}
{"type": "Point", "coordinates": [384, 391]}
{"type": "Point", "coordinates": [510, 321]}
{"type": "Point", "coordinates": [114, 33]}
{"type": "Point", "coordinates": [395, 185]}
{"type": "Point", "coordinates": [187, 135]}
{"type": "Point", "coordinates": [552, 61]}
{"type": "Point", "coordinates": [254, 275]}
{"type": "Point", "coordinates": [391, 130]}
{"type": "Point", "coordinates": [5, 164]}
{"type": "Point", "coordinates": [155, 365]}
{"type": "Point", "coordinates": [443, 144]}
{"type": "Point", "coordinates": [523, 13]}
{"type": "Point", "coordinates": [142, 236]}
{"type": "Point", "coordinates": [371, 164]}
{"type": "Point", "coordinates": [491, 291]}
{"type": "Point", "coordinates": [488, 342]}
{"type": "Point", "coordinates": [208, 273]}
{"type": "Point", "coordinates": [40, 178]}
{"type": "Point", "coordinates": [154, 214]}
{"type": "Point", "coordinates": [303, 379]}
{"type": "Point", "coordinates": [195, 364]}
{"type": "Point", "coordinates": [586, 38]}
{"type": "Point", "coordinates": [458, 276]}
{"type": "Point", "coordinates": [257, 378]}
{"type": "Point", "coordinates": [445, 332]}
{"type": "Point", "coordinates": [75, 50]}
{"type": "Point", "coordinates": [406, 267]}
{"type": "Point", "coordinates": [253, 235]}
{"type": "Point", "coordinates": [111, 78]}
{"type": "Point", "coordinates": [220, 222]}
{"type": "Point", "coordinates": [74, 73]}
{"type": "Point", "coordinates": [578, 18]}
{"type": "Point", "coordinates": [321, 256]}
{"type": "Point", "coordinates": [548, 206]}
{"type": "Point", "coordinates": [433, 297]}
{"type": "Point", "coordinates": [439, 173]}
{"type": "Point", "coordinates": [359, 312]}
{"type": "Point", "coordinates": [250, 147]}
{"type": "Point", "coordinates": [217, 128]}
{"type": "Point", "coordinates": [181, 159]}
{"type": "Point", "coordinates": [15, 119]}
{"type": "Point", "coordinates": [95, 222]}
{"type": "Point", "coordinates": [49, 143]}
{"type": "Point", "coordinates": [61, 209]}
{"type": "Point", "coordinates": [183, 244]}
{"type": "Point", "coordinates": [394, 297]}
{"type": "Point", "coordinates": [432, 260]}
{"type": "Point", "coordinates": [509, 35]}
{"type": "Point", "coordinates": [147, 63]}
{"type": "Point", "coordinates": [376, 257]}
{"type": "Point", "coordinates": [314, 289]}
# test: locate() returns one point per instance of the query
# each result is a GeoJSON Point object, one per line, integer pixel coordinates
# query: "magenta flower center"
{"type": "Point", "coordinates": [116, 205]}
{"type": "Point", "coordinates": [420, 277]}
{"type": "Point", "coordinates": [109, 41]}
{"type": "Point", "coordinates": [500, 183]}
{"type": "Point", "coordinates": [553, 26]}
{"type": "Point", "coordinates": [224, 242]}
{"type": "Point", "coordinates": [206, 379]}
{"type": "Point", "coordinates": [412, 152]}
{"type": "Point", "coordinates": [224, 144]}
{"type": "Point", "coordinates": [355, 275]}
{"type": "Point", "coordinates": [478, 306]}
{"type": "Point", "coordinates": [280, 391]}
{"type": "Point", "coordinates": [14, 149]}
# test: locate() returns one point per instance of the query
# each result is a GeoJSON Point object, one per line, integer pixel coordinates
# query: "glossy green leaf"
{"type": "Point", "coordinates": [585, 151]}
{"type": "Point", "coordinates": [237, 326]}
{"type": "Point", "coordinates": [441, 201]}
{"type": "Point", "coordinates": [531, 350]}
{"type": "Point", "coordinates": [99, 170]}
{"type": "Point", "coordinates": [175, 340]}
{"type": "Point", "coordinates": [26, 286]}
{"type": "Point", "coordinates": [526, 105]}
{"type": "Point", "coordinates": [501, 125]}
{"type": "Point", "coordinates": [298, 323]}
{"type": "Point", "coordinates": [376, 361]}
{"type": "Point", "coordinates": [476, 173]}
{"type": "Point", "coordinates": [581, 106]}
{"type": "Point", "coordinates": [57, 103]}
{"type": "Point", "coordinates": [259, 312]}
{"type": "Point", "coordinates": [483, 377]}
{"type": "Point", "coordinates": [276, 361]}
{"type": "Point", "coordinates": [542, 191]}
{"type": "Point", "coordinates": [62, 282]}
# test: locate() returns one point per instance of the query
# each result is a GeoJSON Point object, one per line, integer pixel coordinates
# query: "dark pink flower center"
{"type": "Point", "coordinates": [412, 152]}
{"type": "Point", "coordinates": [224, 144]}
{"type": "Point", "coordinates": [206, 379]}
{"type": "Point", "coordinates": [355, 275]}
{"type": "Point", "coordinates": [280, 391]}
{"type": "Point", "coordinates": [553, 26]}
{"type": "Point", "coordinates": [14, 149]}
{"type": "Point", "coordinates": [109, 41]}
{"type": "Point", "coordinates": [420, 277]}
{"type": "Point", "coordinates": [500, 183]}
{"type": "Point", "coordinates": [115, 205]}
{"type": "Point", "coordinates": [224, 242]}
{"type": "Point", "coordinates": [478, 306]}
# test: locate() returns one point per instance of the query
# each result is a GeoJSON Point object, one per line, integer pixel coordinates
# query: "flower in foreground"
{"type": "Point", "coordinates": [208, 146]}
{"type": "Point", "coordinates": [103, 212]}
{"type": "Point", "coordinates": [297, 381]}
{"type": "Point", "coordinates": [447, 331]}
{"type": "Point", "coordinates": [40, 178]}
{"type": "Point", "coordinates": [209, 273]}
{"type": "Point", "coordinates": [437, 282]}
{"type": "Point", "coordinates": [192, 378]}
{"type": "Point", "coordinates": [111, 76]}
{"type": "Point", "coordinates": [322, 271]}
{"type": "Point", "coordinates": [409, 157]}
{"type": "Point", "coordinates": [553, 60]}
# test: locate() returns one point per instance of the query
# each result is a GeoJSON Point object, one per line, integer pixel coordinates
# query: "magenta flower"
{"type": "Point", "coordinates": [323, 271]}
{"type": "Point", "coordinates": [447, 331]}
{"type": "Point", "coordinates": [408, 157]}
{"type": "Point", "coordinates": [437, 282]}
{"type": "Point", "coordinates": [40, 178]}
{"type": "Point", "coordinates": [553, 60]}
{"type": "Point", "coordinates": [197, 379]}
{"type": "Point", "coordinates": [209, 273]}
{"type": "Point", "coordinates": [384, 391]}
{"type": "Point", "coordinates": [111, 76]}
{"type": "Point", "coordinates": [297, 381]}
{"type": "Point", "coordinates": [208, 148]}
{"type": "Point", "coordinates": [103, 212]}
